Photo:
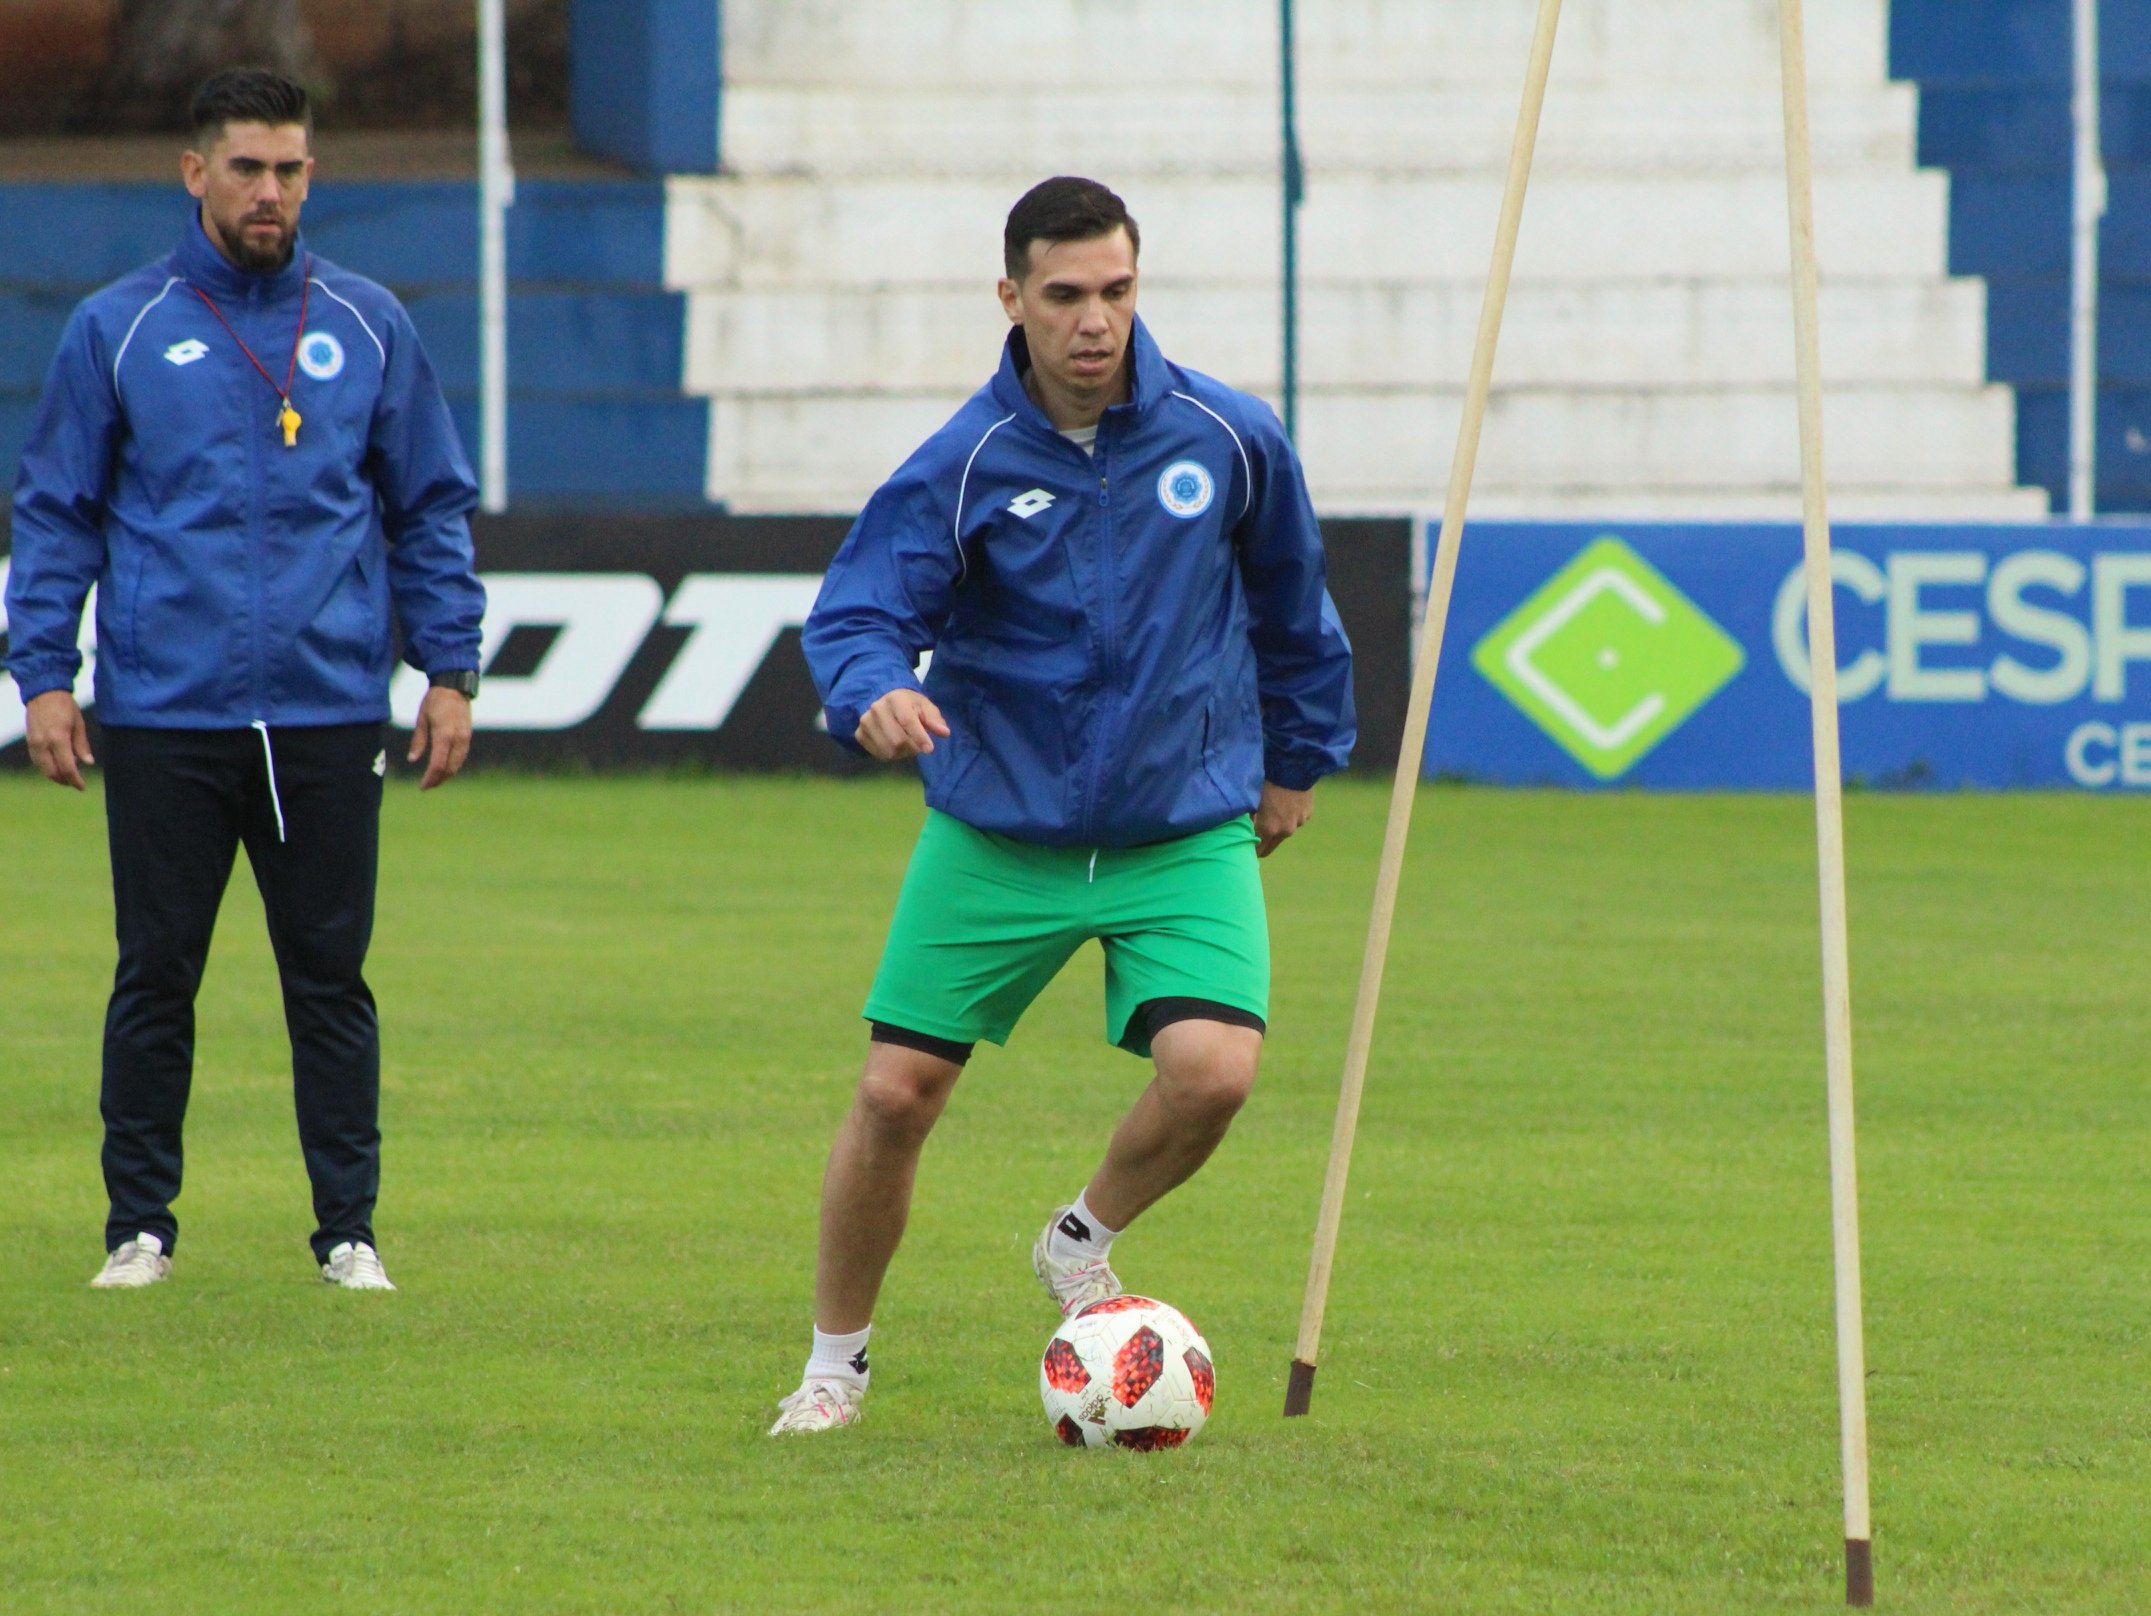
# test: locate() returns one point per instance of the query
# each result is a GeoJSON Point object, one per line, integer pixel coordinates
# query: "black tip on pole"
{"type": "Point", "coordinates": [1299, 1389]}
{"type": "Point", "coordinates": [1859, 1571]}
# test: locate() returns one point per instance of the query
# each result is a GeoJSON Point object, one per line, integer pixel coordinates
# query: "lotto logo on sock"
{"type": "Point", "coordinates": [1608, 658]}
{"type": "Point", "coordinates": [858, 1362]}
{"type": "Point", "coordinates": [1074, 1227]}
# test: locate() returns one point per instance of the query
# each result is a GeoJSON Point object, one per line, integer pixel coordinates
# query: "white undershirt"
{"type": "Point", "coordinates": [1083, 437]}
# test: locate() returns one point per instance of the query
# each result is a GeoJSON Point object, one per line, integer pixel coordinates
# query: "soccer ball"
{"type": "Point", "coordinates": [1128, 1372]}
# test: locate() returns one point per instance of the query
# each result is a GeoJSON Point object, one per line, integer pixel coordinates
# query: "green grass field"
{"type": "Point", "coordinates": [1578, 1355]}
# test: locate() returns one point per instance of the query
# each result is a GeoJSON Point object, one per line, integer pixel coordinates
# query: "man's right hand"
{"type": "Point", "coordinates": [59, 740]}
{"type": "Point", "coordinates": [901, 724]}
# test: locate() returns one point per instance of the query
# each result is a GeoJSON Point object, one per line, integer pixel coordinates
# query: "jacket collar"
{"type": "Point", "coordinates": [1152, 377]}
{"type": "Point", "coordinates": [202, 265]}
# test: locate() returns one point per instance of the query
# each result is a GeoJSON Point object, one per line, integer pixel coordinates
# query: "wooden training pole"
{"type": "Point", "coordinates": [1829, 818]}
{"type": "Point", "coordinates": [1299, 1389]}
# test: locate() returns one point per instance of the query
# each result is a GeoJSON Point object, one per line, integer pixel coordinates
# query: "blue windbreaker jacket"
{"type": "Point", "coordinates": [238, 580]}
{"type": "Point", "coordinates": [1124, 646]}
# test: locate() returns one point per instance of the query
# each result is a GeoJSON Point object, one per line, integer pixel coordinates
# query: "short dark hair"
{"type": "Point", "coordinates": [247, 95]}
{"type": "Point", "coordinates": [1064, 208]}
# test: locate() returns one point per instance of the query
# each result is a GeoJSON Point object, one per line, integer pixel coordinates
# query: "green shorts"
{"type": "Point", "coordinates": [984, 922]}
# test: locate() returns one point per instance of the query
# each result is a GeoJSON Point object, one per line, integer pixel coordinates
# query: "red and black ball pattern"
{"type": "Point", "coordinates": [1137, 1366]}
{"type": "Point", "coordinates": [1064, 1370]}
{"type": "Point", "coordinates": [1116, 1304]}
{"type": "Point", "coordinates": [1203, 1375]}
{"type": "Point", "coordinates": [1151, 1438]}
{"type": "Point", "coordinates": [1069, 1432]}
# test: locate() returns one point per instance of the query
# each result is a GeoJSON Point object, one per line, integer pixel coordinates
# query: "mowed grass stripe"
{"type": "Point", "coordinates": [1578, 1352]}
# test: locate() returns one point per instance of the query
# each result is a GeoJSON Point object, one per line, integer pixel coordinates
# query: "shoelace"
{"type": "Point", "coordinates": [815, 1395]}
{"type": "Point", "coordinates": [1097, 1271]}
{"type": "Point", "coordinates": [1078, 1287]}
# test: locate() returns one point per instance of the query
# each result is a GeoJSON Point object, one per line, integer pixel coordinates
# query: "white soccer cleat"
{"type": "Point", "coordinates": [1075, 1283]}
{"type": "Point", "coordinates": [141, 1261]}
{"type": "Point", "coordinates": [820, 1405]}
{"type": "Point", "coordinates": [356, 1266]}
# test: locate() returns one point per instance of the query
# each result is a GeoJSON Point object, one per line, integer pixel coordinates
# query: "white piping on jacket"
{"type": "Point", "coordinates": [1245, 463]}
{"type": "Point", "coordinates": [140, 316]}
{"type": "Point", "coordinates": [363, 326]}
{"type": "Point", "coordinates": [963, 562]}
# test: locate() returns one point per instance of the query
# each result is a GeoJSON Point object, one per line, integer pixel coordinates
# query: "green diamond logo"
{"type": "Point", "coordinates": [1608, 658]}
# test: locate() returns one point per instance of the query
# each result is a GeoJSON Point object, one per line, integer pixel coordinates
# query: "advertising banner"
{"type": "Point", "coordinates": [1675, 656]}
{"type": "Point", "coordinates": [662, 640]}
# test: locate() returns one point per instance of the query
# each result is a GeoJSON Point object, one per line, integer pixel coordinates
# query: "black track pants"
{"type": "Point", "coordinates": [178, 805]}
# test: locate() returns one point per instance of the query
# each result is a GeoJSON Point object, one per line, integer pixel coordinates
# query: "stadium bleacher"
{"type": "Point", "coordinates": [838, 268]}
{"type": "Point", "coordinates": [776, 335]}
{"type": "Point", "coordinates": [1995, 114]}
{"type": "Point", "coordinates": [597, 411]}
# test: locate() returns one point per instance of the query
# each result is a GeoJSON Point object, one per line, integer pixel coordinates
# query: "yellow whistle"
{"type": "Point", "coordinates": [288, 419]}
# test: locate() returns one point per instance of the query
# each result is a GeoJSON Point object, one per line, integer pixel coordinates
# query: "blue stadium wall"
{"type": "Point", "coordinates": [645, 77]}
{"type": "Point", "coordinates": [598, 414]}
{"type": "Point", "coordinates": [1995, 83]}
{"type": "Point", "coordinates": [596, 356]}
{"type": "Point", "coordinates": [596, 363]}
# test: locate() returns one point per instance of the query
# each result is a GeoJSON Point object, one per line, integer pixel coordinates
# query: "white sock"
{"type": "Point", "coordinates": [1080, 1234]}
{"type": "Point", "coordinates": [839, 1357]}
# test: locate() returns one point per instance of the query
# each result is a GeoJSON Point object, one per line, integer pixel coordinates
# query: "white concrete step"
{"type": "Point", "coordinates": [1599, 226]}
{"type": "Point", "coordinates": [1376, 444]}
{"type": "Point", "coordinates": [851, 130]}
{"type": "Point", "coordinates": [1367, 450]}
{"type": "Point", "coordinates": [1779, 501]}
{"type": "Point", "coordinates": [1046, 43]}
{"type": "Point", "coordinates": [1685, 333]}
{"type": "Point", "coordinates": [841, 271]}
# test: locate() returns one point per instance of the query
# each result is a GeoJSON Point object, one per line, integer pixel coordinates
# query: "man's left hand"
{"type": "Point", "coordinates": [1279, 814]}
{"type": "Point", "coordinates": [442, 735]}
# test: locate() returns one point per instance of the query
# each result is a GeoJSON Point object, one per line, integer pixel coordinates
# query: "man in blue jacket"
{"type": "Point", "coordinates": [1137, 677]}
{"type": "Point", "coordinates": [243, 448]}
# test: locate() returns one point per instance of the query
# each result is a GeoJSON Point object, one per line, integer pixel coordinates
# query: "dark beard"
{"type": "Point", "coordinates": [261, 262]}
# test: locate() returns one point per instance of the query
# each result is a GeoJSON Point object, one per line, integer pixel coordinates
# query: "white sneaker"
{"type": "Point", "coordinates": [141, 1261]}
{"type": "Point", "coordinates": [357, 1267]}
{"type": "Point", "coordinates": [1075, 1283]}
{"type": "Point", "coordinates": [820, 1405]}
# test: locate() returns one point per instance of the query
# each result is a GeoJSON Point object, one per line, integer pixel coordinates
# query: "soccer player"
{"type": "Point", "coordinates": [243, 448]}
{"type": "Point", "coordinates": [1137, 679]}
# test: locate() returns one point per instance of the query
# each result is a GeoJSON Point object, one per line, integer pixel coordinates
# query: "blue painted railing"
{"type": "Point", "coordinates": [1995, 87]}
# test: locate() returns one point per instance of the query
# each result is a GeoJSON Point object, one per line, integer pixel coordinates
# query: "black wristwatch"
{"type": "Point", "coordinates": [463, 681]}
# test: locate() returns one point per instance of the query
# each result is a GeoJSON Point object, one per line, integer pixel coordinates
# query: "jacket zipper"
{"type": "Point", "coordinates": [255, 660]}
{"type": "Point", "coordinates": [1110, 626]}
